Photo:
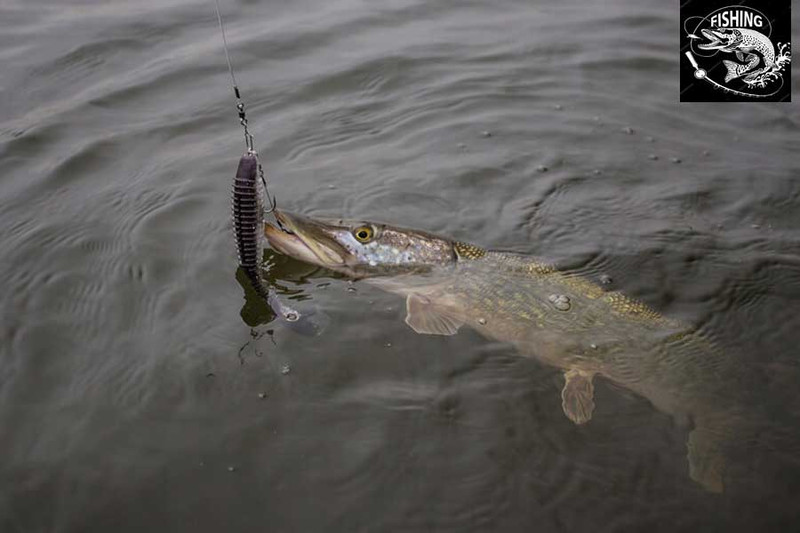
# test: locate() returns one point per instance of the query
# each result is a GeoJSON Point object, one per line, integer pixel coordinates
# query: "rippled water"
{"type": "Point", "coordinates": [134, 394]}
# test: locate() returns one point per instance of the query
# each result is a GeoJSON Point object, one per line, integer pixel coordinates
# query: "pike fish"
{"type": "Point", "coordinates": [559, 318]}
{"type": "Point", "coordinates": [743, 42]}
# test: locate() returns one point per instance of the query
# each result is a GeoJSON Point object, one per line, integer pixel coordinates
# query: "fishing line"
{"type": "Point", "coordinates": [225, 46]}
{"type": "Point", "coordinates": [249, 140]}
{"type": "Point", "coordinates": [246, 205]}
{"type": "Point", "coordinates": [248, 216]}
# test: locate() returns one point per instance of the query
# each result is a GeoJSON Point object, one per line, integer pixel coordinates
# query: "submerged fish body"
{"type": "Point", "coordinates": [563, 320]}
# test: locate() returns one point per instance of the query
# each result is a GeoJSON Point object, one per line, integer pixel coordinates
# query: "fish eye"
{"type": "Point", "coordinates": [364, 233]}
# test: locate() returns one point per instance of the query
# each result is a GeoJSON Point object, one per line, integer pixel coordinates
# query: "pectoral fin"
{"type": "Point", "coordinates": [740, 56]}
{"type": "Point", "coordinates": [706, 463]}
{"type": "Point", "coordinates": [577, 397]}
{"type": "Point", "coordinates": [424, 316]}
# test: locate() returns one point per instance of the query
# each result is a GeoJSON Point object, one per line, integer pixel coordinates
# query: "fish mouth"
{"type": "Point", "coordinates": [305, 239]}
{"type": "Point", "coordinates": [719, 41]}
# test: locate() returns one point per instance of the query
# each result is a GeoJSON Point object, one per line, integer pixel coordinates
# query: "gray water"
{"type": "Point", "coordinates": [141, 390]}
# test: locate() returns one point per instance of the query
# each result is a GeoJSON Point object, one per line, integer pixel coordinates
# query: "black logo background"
{"type": "Point", "coordinates": [779, 13]}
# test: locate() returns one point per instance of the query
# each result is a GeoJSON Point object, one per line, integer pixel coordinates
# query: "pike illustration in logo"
{"type": "Point", "coordinates": [758, 65]}
{"type": "Point", "coordinates": [743, 42]}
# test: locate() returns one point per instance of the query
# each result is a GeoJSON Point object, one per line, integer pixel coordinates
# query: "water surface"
{"type": "Point", "coordinates": [140, 389]}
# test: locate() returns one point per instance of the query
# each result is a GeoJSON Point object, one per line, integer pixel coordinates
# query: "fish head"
{"type": "Point", "coordinates": [723, 39]}
{"type": "Point", "coordinates": [357, 248]}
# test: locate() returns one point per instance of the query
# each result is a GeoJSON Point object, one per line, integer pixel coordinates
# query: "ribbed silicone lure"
{"type": "Point", "coordinates": [248, 227]}
{"type": "Point", "coordinates": [248, 220]}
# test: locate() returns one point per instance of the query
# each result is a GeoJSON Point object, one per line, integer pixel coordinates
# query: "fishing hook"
{"type": "Point", "coordinates": [272, 200]}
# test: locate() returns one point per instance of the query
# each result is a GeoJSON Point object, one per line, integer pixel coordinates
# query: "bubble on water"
{"type": "Point", "coordinates": [231, 469]}
{"type": "Point", "coordinates": [560, 301]}
{"type": "Point", "coordinates": [351, 289]}
{"type": "Point", "coordinates": [676, 160]}
{"type": "Point", "coordinates": [292, 316]}
{"type": "Point", "coordinates": [605, 279]}
{"type": "Point", "coordinates": [482, 321]}
{"type": "Point", "coordinates": [597, 172]}
{"type": "Point", "coordinates": [558, 107]}
{"type": "Point", "coordinates": [652, 157]}
{"type": "Point", "coordinates": [262, 395]}
{"type": "Point", "coordinates": [627, 130]}
{"type": "Point", "coordinates": [388, 344]}
{"type": "Point", "coordinates": [285, 369]}
{"type": "Point", "coordinates": [706, 153]}
{"type": "Point", "coordinates": [650, 139]}
{"type": "Point", "coordinates": [593, 346]}
{"type": "Point", "coordinates": [486, 133]}
{"type": "Point", "coordinates": [541, 168]}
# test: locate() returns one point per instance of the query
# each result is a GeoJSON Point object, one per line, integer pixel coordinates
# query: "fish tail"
{"type": "Point", "coordinates": [733, 70]}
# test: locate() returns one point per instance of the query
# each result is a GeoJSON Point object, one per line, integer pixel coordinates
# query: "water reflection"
{"type": "Point", "coordinates": [291, 305]}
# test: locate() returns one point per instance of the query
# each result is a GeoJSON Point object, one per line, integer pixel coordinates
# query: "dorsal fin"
{"type": "Point", "coordinates": [468, 251]}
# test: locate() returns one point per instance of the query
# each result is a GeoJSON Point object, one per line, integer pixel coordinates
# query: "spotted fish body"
{"type": "Point", "coordinates": [571, 323]}
{"type": "Point", "coordinates": [743, 42]}
{"type": "Point", "coordinates": [567, 321]}
{"type": "Point", "coordinates": [559, 318]}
